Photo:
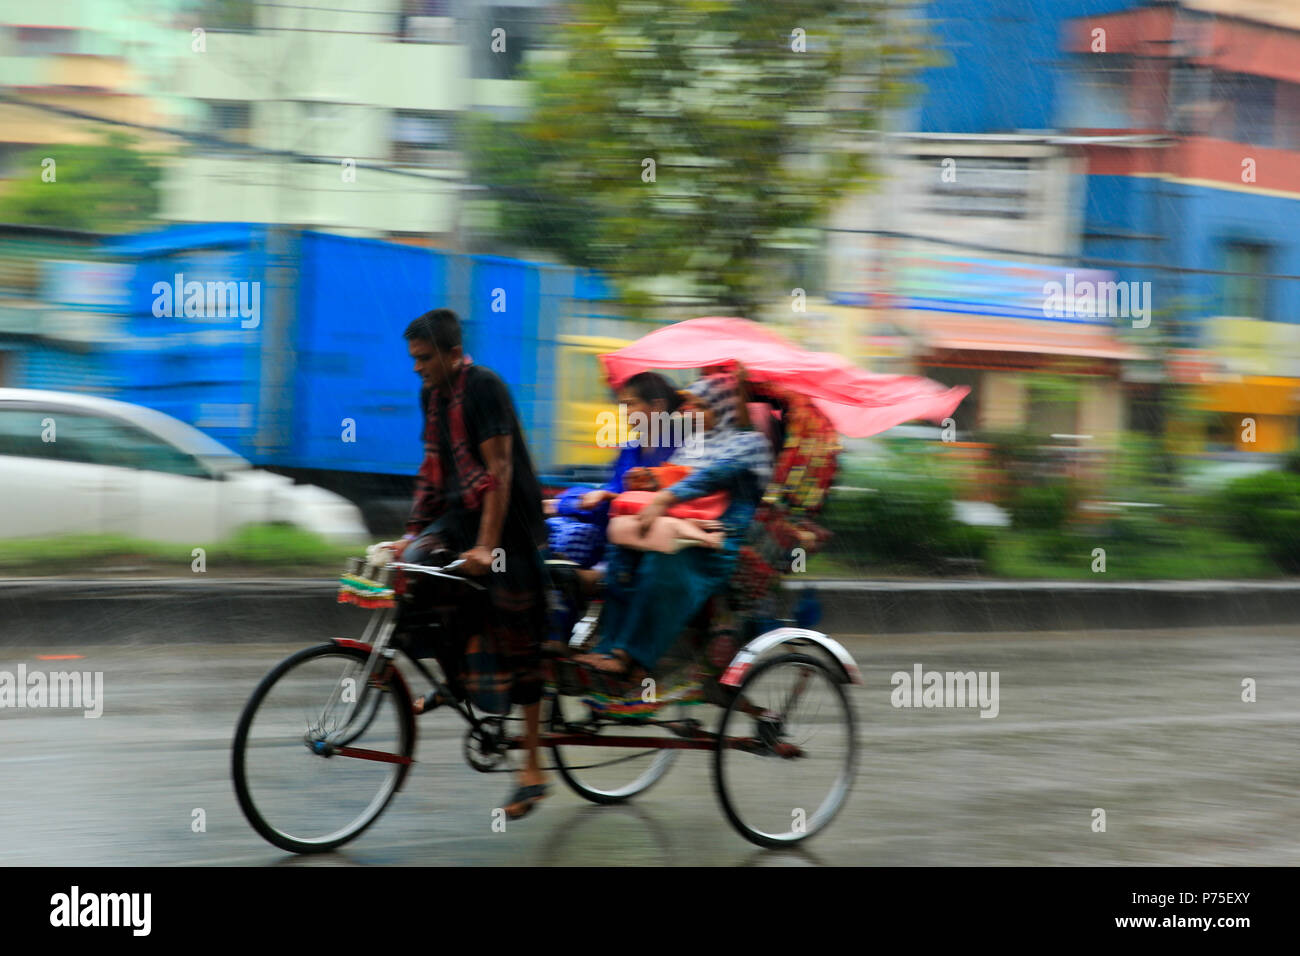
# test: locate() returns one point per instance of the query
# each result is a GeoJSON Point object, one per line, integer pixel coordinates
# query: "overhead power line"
{"type": "Point", "coordinates": [1055, 256]}
{"type": "Point", "coordinates": [210, 140]}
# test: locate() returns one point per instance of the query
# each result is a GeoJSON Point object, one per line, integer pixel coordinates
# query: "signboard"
{"type": "Point", "coordinates": [994, 287]}
{"type": "Point", "coordinates": [1255, 347]}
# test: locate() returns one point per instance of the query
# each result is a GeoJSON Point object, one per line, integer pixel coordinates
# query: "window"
{"type": "Point", "coordinates": [987, 187]}
{"type": "Point", "coordinates": [59, 435]}
{"type": "Point", "coordinates": [427, 21]}
{"type": "Point", "coordinates": [228, 119]}
{"type": "Point", "coordinates": [422, 138]}
{"type": "Point", "coordinates": [322, 124]}
{"type": "Point", "coordinates": [1286, 120]}
{"type": "Point", "coordinates": [1243, 109]}
{"type": "Point", "coordinates": [1098, 94]}
{"type": "Point", "coordinates": [1253, 110]}
{"type": "Point", "coordinates": [1245, 295]}
{"type": "Point", "coordinates": [1223, 430]}
{"type": "Point", "coordinates": [13, 158]}
{"type": "Point", "coordinates": [586, 378]}
{"type": "Point", "coordinates": [1146, 408]}
{"type": "Point", "coordinates": [1194, 102]}
{"type": "Point", "coordinates": [522, 34]}
{"type": "Point", "coordinates": [20, 435]}
{"type": "Point", "coordinates": [46, 41]}
{"type": "Point", "coordinates": [330, 114]}
{"type": "Point", "coordinates": [236, 16]}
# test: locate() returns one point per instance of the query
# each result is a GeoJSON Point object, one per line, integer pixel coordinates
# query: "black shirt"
{"type": "Point", "coordinates": [489, 411]}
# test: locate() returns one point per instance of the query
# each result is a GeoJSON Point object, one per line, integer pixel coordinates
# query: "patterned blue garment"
{"type": "Point", "coordinates": [580, 535]}
{"type": "Point", "coordinates": [579, 541]}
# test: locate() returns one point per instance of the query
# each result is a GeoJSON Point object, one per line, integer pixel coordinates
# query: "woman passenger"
{"type": "Point", "coordinates": [577, 531]}
{"type": "Point", "coordinates": [651, 595]}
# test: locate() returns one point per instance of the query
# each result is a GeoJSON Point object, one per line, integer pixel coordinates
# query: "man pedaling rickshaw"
{"type": "Point", "coordinates": [477, 496]}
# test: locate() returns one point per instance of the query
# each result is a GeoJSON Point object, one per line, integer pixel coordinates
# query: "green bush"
{"type": "Point", "coordinates": [1142, 549]}
{"type": "Point", "coordinates": [1140, 527]}
{"type": "Point", "coordinates": [1036, 554]}
{"type": "Point", "coordinates": [1015, 454]}
{"type": "Point", "coordinates": [905, 518]}
{"type": "Point", "coordinates": [1044, 506]}
{"type": "Point", "coordinates": [274, 545]}
{"type": "Point", "coordinates": [970, 542]}
{"type": "Point", "coordinates": [1008, 445]}
{"type": "Point", "coordinates": [1143, 469]}
{"type": "Point", "coordinates": [1265, 508]}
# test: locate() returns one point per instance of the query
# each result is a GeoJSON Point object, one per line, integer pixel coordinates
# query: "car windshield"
{"type": "Point", "coordinates": [190, 440]}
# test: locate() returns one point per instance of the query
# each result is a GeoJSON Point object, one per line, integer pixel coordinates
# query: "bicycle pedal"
{"type": "Point", "coordinates": [583, 629]}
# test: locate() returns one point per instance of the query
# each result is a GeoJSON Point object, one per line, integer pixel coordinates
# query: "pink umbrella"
{"type": "Point", "coordinates": [858, 403]}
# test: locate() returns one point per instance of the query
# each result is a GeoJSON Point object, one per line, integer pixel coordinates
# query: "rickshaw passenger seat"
{"type": "Point", "coordinates": [803, 471]}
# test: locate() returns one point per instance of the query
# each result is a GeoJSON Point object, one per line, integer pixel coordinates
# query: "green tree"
{"type": "Point", "coordinates": [1176, 410]}
{"type": "Point", "coordinates": [756, 116]}
{"type": "Point", "coordinates": [101, 187]}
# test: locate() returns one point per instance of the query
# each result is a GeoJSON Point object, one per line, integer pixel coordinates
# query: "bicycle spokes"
{"type": "Point", "coordinates": [357, 748]}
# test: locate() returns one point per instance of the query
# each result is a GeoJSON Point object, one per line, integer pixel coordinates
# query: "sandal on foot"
{"type": "Point", "coordinates": [627, 669]}
{"type": "Point", "coordinates": [430, 701]}
{"type": "Point", "coordinates": [529, 796]}
{"type": "Point", "coordinates": [616, 680]}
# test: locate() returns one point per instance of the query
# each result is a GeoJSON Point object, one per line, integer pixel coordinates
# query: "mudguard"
{"type": "Point", "coordinates": [796, 637]}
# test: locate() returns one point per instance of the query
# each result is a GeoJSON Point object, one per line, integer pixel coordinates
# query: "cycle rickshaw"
{"type": "Point", "coordinates": [328, 737]}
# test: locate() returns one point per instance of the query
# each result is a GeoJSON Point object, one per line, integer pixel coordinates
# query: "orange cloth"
{"type": "Point", "coordinates": [707, 507]}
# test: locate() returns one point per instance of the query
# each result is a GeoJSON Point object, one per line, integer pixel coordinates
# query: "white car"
{"type": "Point", "coordinates": [77, 464]}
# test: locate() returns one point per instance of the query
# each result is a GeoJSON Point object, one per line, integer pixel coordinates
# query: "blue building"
{"type": "Point", "coordinates": [1182, 125]}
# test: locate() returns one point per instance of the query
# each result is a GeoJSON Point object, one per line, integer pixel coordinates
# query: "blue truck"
{"type": "Point", "coordinates": [286, 345]}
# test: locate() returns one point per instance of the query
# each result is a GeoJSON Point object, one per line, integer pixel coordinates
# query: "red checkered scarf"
{"type": "Point", "coordinates": [475, 481]}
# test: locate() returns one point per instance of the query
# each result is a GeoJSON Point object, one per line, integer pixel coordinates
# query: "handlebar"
{"type": "Point", "coordinates": [439, 572]}
{"type": "Point", "coordinates": [449, 567]}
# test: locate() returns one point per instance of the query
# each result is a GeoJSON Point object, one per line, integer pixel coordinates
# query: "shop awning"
{"type": "Point", "coordinates": [975, 333]}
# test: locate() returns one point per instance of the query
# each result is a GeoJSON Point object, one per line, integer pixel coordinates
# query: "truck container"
{"type": "Point", "coordinates": [286, 345]}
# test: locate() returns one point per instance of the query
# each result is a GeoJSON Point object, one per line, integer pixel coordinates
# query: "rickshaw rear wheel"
{"type": "Point", "coordinates": [787, 751]}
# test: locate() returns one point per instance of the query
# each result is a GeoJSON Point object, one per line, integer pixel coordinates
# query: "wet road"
{"type": "Point", "coordinates": [1149, 726]}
